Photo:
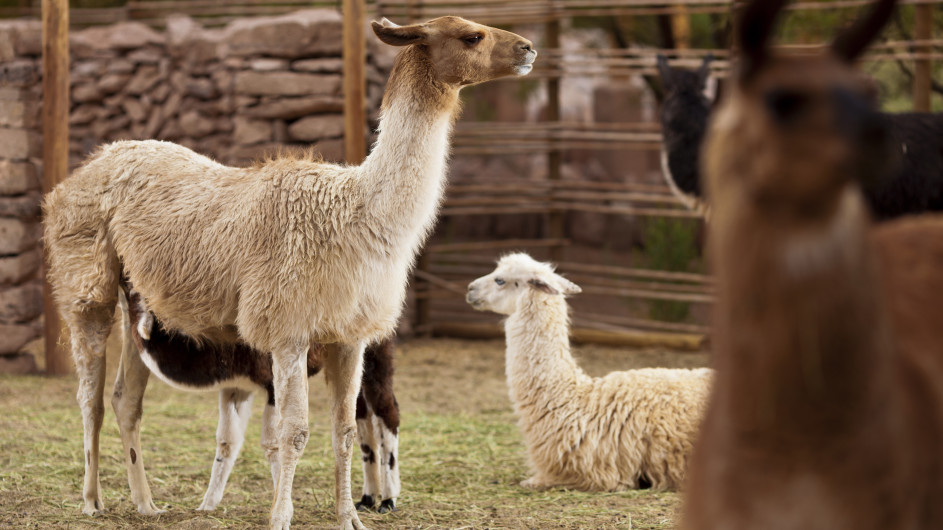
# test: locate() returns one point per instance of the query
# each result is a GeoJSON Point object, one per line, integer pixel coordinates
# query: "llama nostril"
{"type": "Point", "coordinates": [527, 47]}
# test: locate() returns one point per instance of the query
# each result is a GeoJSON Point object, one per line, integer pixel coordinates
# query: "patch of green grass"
{"type": "Point", "coordinates": [461, 459]}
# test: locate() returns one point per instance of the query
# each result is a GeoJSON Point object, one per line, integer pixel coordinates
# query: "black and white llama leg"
{"type": "Point", "coordinates": [389, 464]}
{"type": "Point", "coordinates": [378, 428]}
{"type": "Point", "coordinates": [127, 400]}
{"type": "Point", "coordinates": [369, 447]}
{"type": "Point", "coordinates": [235, 408]}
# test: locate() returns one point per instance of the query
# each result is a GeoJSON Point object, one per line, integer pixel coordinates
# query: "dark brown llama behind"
{"type": "Point", "coordinates": [917, 138]}
{"type": "Point", "coordinates": [827, 409]}
{"type": "Point", "coordinates": [237, 370]}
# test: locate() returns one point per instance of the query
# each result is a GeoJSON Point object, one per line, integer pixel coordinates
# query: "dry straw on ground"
{"type": "Point", "coordinates": [460, 450]}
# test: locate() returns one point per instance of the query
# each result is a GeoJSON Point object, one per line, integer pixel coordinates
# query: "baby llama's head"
{"type": "Point", "coordinates": [516, 276]}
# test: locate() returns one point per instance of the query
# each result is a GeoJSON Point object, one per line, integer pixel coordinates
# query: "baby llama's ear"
{"type": "Point", "coordinates": [542, 286]}
{"type": "Point", "coordinates": [395, 35]}
{"type": "Point", "coordinates": [568, 287]}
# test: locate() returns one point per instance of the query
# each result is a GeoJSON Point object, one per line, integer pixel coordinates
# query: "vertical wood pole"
{"type": "Point", "coordinates": [923, 20]}
{"type": "Point", "coordinates": [55, 14]}
{"type": "Point", "coordinates": [556, 220]}
{"type": "Point", "coordinates": [355, 82]}
{"type": "Point", "coordinates": [681, 28]}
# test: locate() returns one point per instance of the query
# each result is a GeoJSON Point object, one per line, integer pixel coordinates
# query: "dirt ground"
{"type": "Point", "coordinates": [461, 455]}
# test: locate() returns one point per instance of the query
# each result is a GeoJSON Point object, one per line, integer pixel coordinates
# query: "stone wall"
{"type": "Point", "coordinates": [21, 303]}
{"type": "Point", "coordinates": [234, 94]}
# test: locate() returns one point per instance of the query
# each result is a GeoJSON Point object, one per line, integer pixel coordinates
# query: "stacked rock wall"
{"type": "Point", "coordinates": [20, 157]}
{"type": "Point", "coordinates": [234, 94]}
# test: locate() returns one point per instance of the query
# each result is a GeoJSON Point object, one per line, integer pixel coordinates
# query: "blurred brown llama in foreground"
{"type": "Point", "coordinates": [827, 408]}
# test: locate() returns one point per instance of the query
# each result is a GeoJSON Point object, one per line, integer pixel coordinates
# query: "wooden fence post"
{"type": "Point", "coordinates": [355, 84]}
{"type": "Point", "coordinates": [55, 14]}
{"type": "Point", "coordinates": [681, 27]}
{"type": "Point", "coordinates": [556, 222]}
{"type": "Point", "coordinates": [923, 22]}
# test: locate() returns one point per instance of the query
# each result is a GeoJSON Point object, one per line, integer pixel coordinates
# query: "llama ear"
{"type": "Point", "coordinates": [542, 286]}
{"type": "Point", "coordinates": [664, 70]}
{"type": "Point", "coordinates": [568, 287]}
{"type": "Point", "coordinates": [850, 43]}
{"type": "Point", "coordinates": [753, 32]}
{"type": "Point", "coordinates": [705, 70]}
{"type": "Point", "coordinates": [562, 286]}
{"type": "Point", "coordinates": [394, 35]}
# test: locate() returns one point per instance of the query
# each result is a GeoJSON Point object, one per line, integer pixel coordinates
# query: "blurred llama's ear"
{"type": "Point", "coordinates": [850, 43]}
{"type": "Point", "coordinates": [754, 29]}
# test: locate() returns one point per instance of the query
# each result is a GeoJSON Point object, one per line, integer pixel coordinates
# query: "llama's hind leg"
{"type": "Point", "coordinates": [127, 402]}
{"type": "Point", "coordinates": [270, 439]}
{"type": "Point", "coordinates": [389, 464]}
{"type": "Point", "coordinates": [383, 417]}
{"type": "Point", "coordinates": [343, 371]}
{"type": "Point", "coordinates": [89, 330]}
{"type": "Point", "coordinates": [235, 407]}
{"type": "Point", "coordinates": [369, 448]}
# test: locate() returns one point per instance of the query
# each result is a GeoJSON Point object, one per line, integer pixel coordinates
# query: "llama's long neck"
{"type": "Point", "coordinates": [405, 172]}
{"type": "Point", "coordinates": [538, 363]}
{"type": "Point", "coordinates": [801, 342]}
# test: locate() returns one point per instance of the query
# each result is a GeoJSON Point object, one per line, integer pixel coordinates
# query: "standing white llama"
{"type": "Point", "coordinates": [279, 255]}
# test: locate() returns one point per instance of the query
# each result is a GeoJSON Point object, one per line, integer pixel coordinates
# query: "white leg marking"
{"type": "Point", "coordinates": [235, 407]}
{"type": "Point", "coordinates": [389, 463]}
{"type": "Point", "coordinates": [369, 449]}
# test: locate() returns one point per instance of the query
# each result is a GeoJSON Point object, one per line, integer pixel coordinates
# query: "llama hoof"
{"type": "Point", "coordinates": [352, 524]}
{"type": "Point", "coordinates": [94, 507]}
{"type": "Point", "coordinates": [150, 508]}
{"type": "Point", "coordinates": [280, 523]}
{"type": "Point", "coordinates": [205, 507]}
{"type": "Point", "coordinates": [533, 484]}
{"type": "Point", "coordinates": [366, 503]}
{"type": "Point", "coordinates": [387, 506]}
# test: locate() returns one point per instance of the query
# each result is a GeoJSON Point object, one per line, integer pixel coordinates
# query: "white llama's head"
{"type": "Point", "coordinates": [463, 52]}
{"type": "Point", "coordinates": [517, 275]}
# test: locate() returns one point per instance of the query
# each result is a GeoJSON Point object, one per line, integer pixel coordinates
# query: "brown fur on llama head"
{"type": "Point", "coordinates": [796, 127]}
{"type": "Point", "coordinates": [462, 52]}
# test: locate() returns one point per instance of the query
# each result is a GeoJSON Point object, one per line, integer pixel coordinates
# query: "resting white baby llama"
{"type": "Point", "coordinates": [611, 433]}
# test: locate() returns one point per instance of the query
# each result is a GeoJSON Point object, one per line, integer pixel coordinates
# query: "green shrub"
{"type": "Point", "coordinates": [670, 245]}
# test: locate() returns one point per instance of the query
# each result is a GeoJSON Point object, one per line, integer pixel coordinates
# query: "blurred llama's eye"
{"type": "Point", "coordinates": [786, 105]}
{"type": "Point", "coordinates": [499, 281]}
{"type": "Point", "coordinates": [473, 39]}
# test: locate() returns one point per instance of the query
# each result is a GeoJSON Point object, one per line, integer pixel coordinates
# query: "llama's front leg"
{"type": "Point", "coordinates": [289, 370]}
{"type": "Point", "coordinates": [127, 402]}
{"type": "Point", "coordinates": [235, 407]}
{"type": "Point", "coordinates": [369, 450]}
{"type": "Point", "coordinates": [343, 372]}
{"type": "Point", "coordinates": [89, 331]}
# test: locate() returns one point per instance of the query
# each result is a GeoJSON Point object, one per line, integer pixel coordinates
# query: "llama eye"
{"type": "Point", "coordinates": [473, 39]}
{"type": "Point", "coordinates": [499, 281]}
{"type": "Point", "coordinates": [785, 105]}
